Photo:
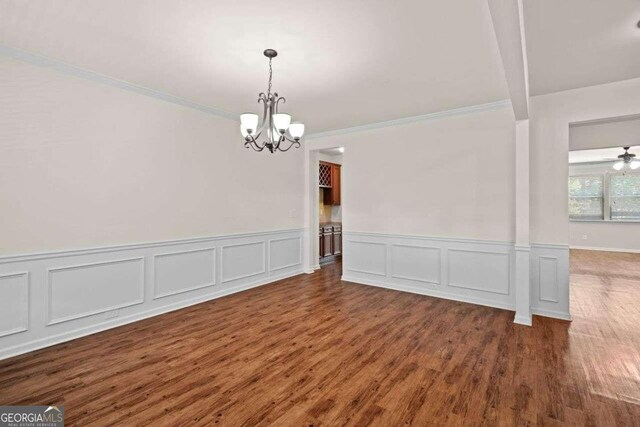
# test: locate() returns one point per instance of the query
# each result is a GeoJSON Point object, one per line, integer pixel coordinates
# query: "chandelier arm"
{"type": "Point", "coordinates": [263, 99]}
{"type": "Point", "coordinates": [254, 144]}
{"type": "Point", "coordinates": [293, 143]}
{"type": "Point", "coordinates": [255, 147]}
{"type": "Point", "coordinates": [281, 98]}
{"type": "Point", "coordinates": [254, 138]}
{"type": "Point", "coordinates": [291, 140]}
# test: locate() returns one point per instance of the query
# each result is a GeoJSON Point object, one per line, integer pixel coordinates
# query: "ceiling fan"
{"type": "Point", "coordinates": [626, 160]}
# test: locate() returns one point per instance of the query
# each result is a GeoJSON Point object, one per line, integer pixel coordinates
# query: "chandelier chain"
{"type": "Point", "coordinates": [270, 75]}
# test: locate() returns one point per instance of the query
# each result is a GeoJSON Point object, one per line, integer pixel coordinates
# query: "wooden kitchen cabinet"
{"type": "Point", "coordinates": [337, 240]}
{"type": "Point", "coordinates": [330, 242]}
{"type": "Point", "coordinates": [329, 179]}
{"type": "Point", "coordinates": [334, 194]}
{"type": "Point", "coordinates": [327, 241]}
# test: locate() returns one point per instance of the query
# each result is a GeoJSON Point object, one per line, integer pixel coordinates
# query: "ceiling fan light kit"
{"type": "Point", "coordinates": [627, 160]}
{"type": "Point", "coordinates": [279, 131]}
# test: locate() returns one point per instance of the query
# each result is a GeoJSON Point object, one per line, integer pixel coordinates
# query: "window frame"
{"type": "Point", "coordinates": [606, 195]}
{"type": "Point", "coordinates": [609, 176]}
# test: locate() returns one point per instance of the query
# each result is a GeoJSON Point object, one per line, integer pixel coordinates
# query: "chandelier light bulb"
{"type": "Point", "coordinates": [618, 165]}
{"type": "Point", "coordinates": [248, 123]}
{"type": "Point", "coordinates": [635, 164]}
{"type": "Point", "coordinates": [296, 129]}
{"type": "Point", "coordinates": [281, 122]}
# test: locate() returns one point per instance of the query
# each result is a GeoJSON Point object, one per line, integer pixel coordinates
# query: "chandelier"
{"type": "Point", "coordinates": [626, 160]}
{"type": "Point", "coordinates": [274, 124]}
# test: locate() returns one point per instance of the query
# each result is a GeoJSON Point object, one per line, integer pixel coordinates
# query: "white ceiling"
{"type": "Point", "coordinates": [600, 155]}
{"type": "Point", "coordinates": [578, 43]}
{"type": "Point", "coordinates": [341, 64]}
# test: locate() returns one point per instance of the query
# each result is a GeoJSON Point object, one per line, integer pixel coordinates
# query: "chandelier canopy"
{"type": "Point", "coordinates": [280, 134]}
{"type": "Point", "coordinates": [626, 160]}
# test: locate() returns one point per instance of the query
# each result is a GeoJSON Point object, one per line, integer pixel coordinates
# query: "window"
{"type": "Point", "coordinates": [624, 194]}
{"type": "Point", "coordinates": [586, 197]}
{"type": "Point", "coordinates": [607, 197]}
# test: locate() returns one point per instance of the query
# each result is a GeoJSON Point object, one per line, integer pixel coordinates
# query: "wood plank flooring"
{"type": "Point", "coordinates": [312, 350]}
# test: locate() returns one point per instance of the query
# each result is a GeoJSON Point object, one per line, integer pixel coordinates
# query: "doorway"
{"type": "Point", "coordinates": [326, 178]}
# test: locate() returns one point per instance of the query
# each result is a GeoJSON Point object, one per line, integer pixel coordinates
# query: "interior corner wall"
{"type": "Point", "coordinates": [428, 206]}
{"type": "Point", "coordinates": [85, 164]}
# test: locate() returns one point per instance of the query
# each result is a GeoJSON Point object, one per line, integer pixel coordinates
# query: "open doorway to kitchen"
{"type": "Point", "coordinates": [324, 200]}
{"type": "Point", "coordinates": [330, 206]}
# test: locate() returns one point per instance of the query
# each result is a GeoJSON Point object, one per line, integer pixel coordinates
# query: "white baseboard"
{"type": "Point", "coordinates": [429, 293]}
{"type": "Point", "coordinates": [551, 313]}
{"type": "Point", "coordinates": [523, 320]}
{"type": "Point", "coordinates": [593, 248]}
{"type": "Point", "coordinates": [50, 298]}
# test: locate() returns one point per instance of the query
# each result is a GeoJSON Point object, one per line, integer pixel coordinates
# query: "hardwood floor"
{"type": "Point", "coordinates": [311, 350]}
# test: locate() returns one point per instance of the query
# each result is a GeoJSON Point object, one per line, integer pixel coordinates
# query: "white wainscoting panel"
{"type": "Point", "coordinates": [243, 260]}
{"type": "Point", "coordinates": [365, 256]}
{"type": "Point", "coordinates": [184, 271]}
{"type": "Point", "coordinates": [48, 298]}
{"type": "Point", "coordinates": [416, 263]}
{"type": "Point", "coordinates": [479, 270]}
{"type": "Point", "coordinates": [475, 271]}
{"type": "Point", "coordinates": [550, 280]}
{"type": "Point", "coordinates": [548, 270]}
{"type": "Point", "coordinates": [285, 253]}
{"type": "Point", "coordinates": [77, 291]}
{"type": "Point", "coordinates": [14, 303]}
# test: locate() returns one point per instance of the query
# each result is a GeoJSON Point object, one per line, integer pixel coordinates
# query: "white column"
{"type": "Point", "coordinates": [310, 238]}
{"type": "Point", "coordinates": [522, 247]}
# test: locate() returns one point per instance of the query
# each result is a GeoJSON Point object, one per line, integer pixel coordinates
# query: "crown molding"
{"type": "Point", "coordinates": [63, 67]}
{"type": "Point", "coordinates": [73, 70]}
{"type": "Point", "coordinates": [491, 106]}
